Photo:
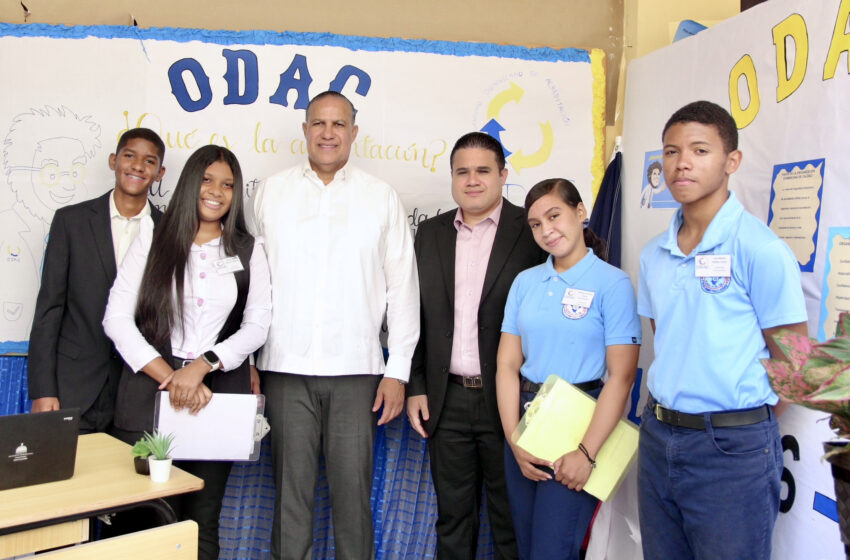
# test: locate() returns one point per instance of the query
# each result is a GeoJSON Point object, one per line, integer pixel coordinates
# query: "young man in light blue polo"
{"type": "Point", "coordinates": [715, 286]}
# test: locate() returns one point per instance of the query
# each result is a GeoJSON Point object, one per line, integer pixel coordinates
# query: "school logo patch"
{"type": "Point", "coordinates": [574, 311]}
{"type": "Point", "coordinates": [714, 284]}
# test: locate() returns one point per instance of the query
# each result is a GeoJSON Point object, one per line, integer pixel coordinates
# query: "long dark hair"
{"type": "Point", "coordinates": [569, 194]}
{"type": "Point", "coordinates": [172, 240]}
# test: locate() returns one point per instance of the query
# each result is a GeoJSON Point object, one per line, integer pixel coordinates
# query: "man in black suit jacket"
{"type": "Point", "coordinates": [452, 390]}
{"type": "Point", "coordinates": [72, 364]}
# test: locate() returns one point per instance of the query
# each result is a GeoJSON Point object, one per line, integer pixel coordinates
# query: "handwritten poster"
{"type": "Point", "coordinates": [795, 201]}
{"type": "Point", "coordinates": [835, 296]}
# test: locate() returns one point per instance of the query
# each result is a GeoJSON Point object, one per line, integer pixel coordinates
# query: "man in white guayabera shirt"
{"type": "Point", "coordinates": [341, 254]}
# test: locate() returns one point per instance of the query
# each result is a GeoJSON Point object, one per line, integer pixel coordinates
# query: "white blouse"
{"type": "Point", "coordinates": [208, 298]}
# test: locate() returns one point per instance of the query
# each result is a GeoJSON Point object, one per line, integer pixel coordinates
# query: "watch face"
{"type": "Point", "coordinates": [210, 357]}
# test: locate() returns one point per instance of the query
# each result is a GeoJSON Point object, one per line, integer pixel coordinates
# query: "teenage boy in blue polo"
{"type": "Point", "coordinates": [715, 286]}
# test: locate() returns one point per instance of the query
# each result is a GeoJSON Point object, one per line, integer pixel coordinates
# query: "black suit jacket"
{"type": "Point", "coordinates": [514, 250]}
{"type": "Point", "coordinates": [70, 357]}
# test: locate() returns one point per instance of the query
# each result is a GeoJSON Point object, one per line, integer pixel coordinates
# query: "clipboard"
{"type": "Point", "coordinates": [229, 428]}
{"type": "Point", "coordinates": [557, 420]}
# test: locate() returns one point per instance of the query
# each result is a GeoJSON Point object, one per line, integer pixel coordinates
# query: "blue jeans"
{"type": "Point", "coordinates": [550, 520]}
{"type": "Point", "coordinates": [708, 494]}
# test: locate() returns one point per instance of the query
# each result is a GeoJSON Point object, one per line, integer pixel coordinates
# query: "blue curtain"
{"type": "Point", "coordinates": [404, 506]}
{"type": "Point", "coordinates": [606, 218]}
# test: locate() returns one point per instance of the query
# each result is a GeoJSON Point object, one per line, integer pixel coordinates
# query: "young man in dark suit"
{"type": "Point", "coordinates": [467, 260]}
{"type": "Point", "coordinates": [72, 364]}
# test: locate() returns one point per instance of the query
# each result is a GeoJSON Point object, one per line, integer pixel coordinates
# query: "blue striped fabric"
{"type": "Point", "coordinates": [404, 506]}
{"type": "Point", "coordinates": [13, 385]}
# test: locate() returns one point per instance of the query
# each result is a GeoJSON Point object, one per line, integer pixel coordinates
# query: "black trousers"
{"type": "Point", "coordinates": [466, 450]}
{"type": "Point", "coordinates": [204, 506]}
{"type": "Point", "coordinates": [98, 418]}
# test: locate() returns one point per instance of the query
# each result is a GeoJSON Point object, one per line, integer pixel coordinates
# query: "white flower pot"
{"type": "Point", "coordinates": [160, 469]}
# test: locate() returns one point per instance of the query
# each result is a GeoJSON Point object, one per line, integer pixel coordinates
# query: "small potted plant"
{"type": "Point", "coordinates": [141, 452]}
{"type": "Point", "coordinates": [817, 376]}
{"type": "Point", "coordinates": [159, 461]}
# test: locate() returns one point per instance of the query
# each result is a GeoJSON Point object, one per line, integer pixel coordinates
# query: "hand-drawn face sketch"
{"type": "Point", "coordinates": [655, 193]}
{"type": "Point", "coordinates": [45, 157]}
{"type": "Point", "coordinates": [654, 184]}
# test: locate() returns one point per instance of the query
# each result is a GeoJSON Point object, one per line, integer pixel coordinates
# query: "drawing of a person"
{"type": "Point", "coordinates": [45, 155]}
{"type": "Point", "coordinates": [654, 184]}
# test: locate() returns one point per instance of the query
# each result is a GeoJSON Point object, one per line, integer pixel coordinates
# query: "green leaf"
{"type": "Point", "coordinates": [838, 348]}
{"type": "Point", "coordinates": [785, 380]}
{"type": "Point", "coordinates": [159, 444]}
{"type": "Point", "coordinates": [796, 347]}
{"type": "Point", "coordinates": [141, 449]}
{"type": "Point", "coordinates": [779, 369]}
{"type": "Point", "coordinates": [817, 376]}
{"type": "Point", "coordinates": [832, 392]}
{"type": "Point", "coordinates": [818, 360]}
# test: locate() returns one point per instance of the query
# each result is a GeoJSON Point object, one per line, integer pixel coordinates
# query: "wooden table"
{"type": "Point", "coordinates": [56, 513]}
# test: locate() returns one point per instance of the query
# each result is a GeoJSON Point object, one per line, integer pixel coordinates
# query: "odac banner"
{"type": "Point", "coordinates": [69, 92]}
{"type": "Point", "coordinates": [781, 69]}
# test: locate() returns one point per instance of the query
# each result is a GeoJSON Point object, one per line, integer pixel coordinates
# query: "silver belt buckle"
{"type": "Point", "coordinates": [472, 382]}
{"type": "Point", "coordinates": [186, 362]}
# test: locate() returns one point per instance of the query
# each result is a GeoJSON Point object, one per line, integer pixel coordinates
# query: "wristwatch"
{"type": "Point", "coordinates": [212, 360]}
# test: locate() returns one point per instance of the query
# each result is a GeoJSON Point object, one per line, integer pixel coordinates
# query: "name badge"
{"type": "Point", "coordinates": [576, 303]}
{"type": "Point", "coordinates": [713, 266]}
{"type": "Point", "coordinates": [578, 298]}
{"type": "Point", "coordinates": [228, 265]}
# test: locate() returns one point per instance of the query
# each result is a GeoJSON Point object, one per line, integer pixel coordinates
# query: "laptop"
{"type": "Point", "coordinates": [37, 448]}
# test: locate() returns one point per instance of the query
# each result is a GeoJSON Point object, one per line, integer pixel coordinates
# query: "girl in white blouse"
{"type": "Point", "coordinates": [191, 301]}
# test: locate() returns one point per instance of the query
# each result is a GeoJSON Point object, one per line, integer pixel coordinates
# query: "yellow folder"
{"type": "Point", "coordinates": [557, 420]}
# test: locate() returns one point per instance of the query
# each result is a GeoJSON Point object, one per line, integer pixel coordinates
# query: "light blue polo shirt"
{"type": "Point", "coordinates": [708, 331]}
{"type": "Point", "coordinates": [573, 348]}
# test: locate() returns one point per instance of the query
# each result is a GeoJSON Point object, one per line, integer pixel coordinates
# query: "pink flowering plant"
{"type": "Point", "coordinates": [816, 374]}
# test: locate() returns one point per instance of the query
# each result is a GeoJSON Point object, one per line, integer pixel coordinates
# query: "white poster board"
{"type": "Point", "coordinates": [72, 91]}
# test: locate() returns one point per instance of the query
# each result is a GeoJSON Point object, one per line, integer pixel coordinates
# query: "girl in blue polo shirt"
{"type": "Point", "coordinates": [573, 316]}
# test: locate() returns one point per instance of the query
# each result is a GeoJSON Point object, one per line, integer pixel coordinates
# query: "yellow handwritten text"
{"type": "Point", "coordinates": [264, 145]}
{"type": "Point", "coordinates": [367, 147]}
{"type": "Point", "coordinates": [174, 139]}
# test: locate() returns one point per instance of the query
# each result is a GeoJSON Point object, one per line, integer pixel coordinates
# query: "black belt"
{"type": "Point", "coordinates": [728, 419]}
{"type": "Point", "coordinates": [527, 386]}
{"type": "Point", "coordinates": [468, 381]}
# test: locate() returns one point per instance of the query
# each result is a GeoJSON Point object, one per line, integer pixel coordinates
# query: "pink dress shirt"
{"type": "Point", "coordinates": [472, 254]}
